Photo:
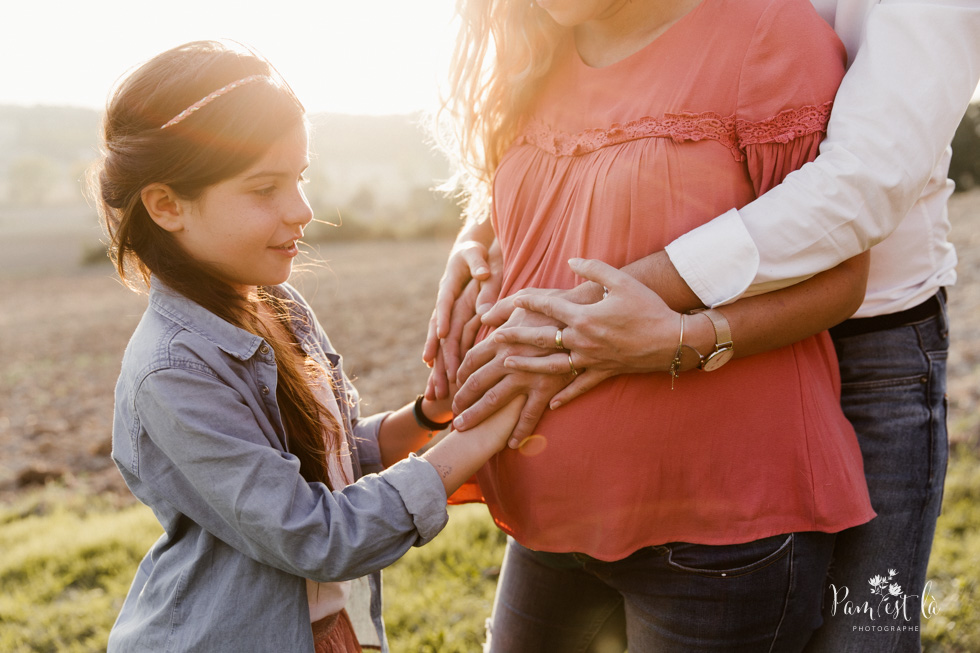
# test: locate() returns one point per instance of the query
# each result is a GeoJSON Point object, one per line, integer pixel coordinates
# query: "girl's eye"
{"type": "Point", "coordinates": [265, 191]}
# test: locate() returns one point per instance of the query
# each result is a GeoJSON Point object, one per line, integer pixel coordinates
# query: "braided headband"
{"type": "Point", "coordinates": [204, 101]}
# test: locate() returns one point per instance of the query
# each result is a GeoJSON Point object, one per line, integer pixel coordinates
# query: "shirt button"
{"type": "Point", "coordinates": [264, 349]}
{"type": "Point", "coordinates": [265, 389]}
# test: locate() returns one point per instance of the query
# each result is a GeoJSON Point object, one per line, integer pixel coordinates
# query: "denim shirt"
{"type": "Point", "coordinates": [198, 437]}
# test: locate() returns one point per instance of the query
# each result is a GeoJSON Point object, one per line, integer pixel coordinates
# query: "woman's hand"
{"type": "Point", "coordinates": [486, 385]}
{"type": "Point", "coordinates": [474, 256]}
{"type": "Point", "coordinates": [630, 330]}
{"type": "Point", "coordinates": [468, 288]}
{"type": "Point", "coordinates": [463, 326]}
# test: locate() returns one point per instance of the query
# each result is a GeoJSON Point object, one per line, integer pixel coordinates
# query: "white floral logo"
{"type": "Point", "coordinates": [885, 588]}
{"type": "Point", "coordinates": [893, 602]}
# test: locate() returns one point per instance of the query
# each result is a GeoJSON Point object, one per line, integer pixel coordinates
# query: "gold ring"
{"type": "Point", "coordinates": [558, 343]}
{"type": "Point", "coordinates": [571, 366]}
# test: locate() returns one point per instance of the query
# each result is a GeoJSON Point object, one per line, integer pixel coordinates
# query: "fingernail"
{"type": "Point", "coordinates": [554, 404]}
{"type": "Point", "coordinates": [574, 261]}
{"type": "Point", "coordinates": [482, 270]}
{"type": "Point", "coordinates": [458, 423]}
{"type": "Point", "coordinates": [514, 443]}
{"type": "Point", "coordinates": [509, 363]}
{"type": "Point", "coordinates": [483, 308]}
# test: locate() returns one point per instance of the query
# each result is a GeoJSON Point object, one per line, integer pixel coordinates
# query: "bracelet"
{"type": "Point", "coordinates": [423, 421]}
{"type": "Point", "coordinates": [675, 365]}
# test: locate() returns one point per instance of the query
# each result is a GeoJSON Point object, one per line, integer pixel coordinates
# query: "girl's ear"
{"type": "Point", "coordinates": [164, 207]}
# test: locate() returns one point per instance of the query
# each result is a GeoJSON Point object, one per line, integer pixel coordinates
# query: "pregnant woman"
{"type": "Point", "coordinates": [698, 505]}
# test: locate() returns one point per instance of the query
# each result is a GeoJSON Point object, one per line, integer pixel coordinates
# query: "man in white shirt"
{"type": "Point", "coordinates": [880, 181]}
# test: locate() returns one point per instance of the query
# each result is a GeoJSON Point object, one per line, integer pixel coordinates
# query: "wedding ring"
{"type": "Point", "coordinates": [571, 366]}
{"type": "Point", "coordinates": [558, 343]}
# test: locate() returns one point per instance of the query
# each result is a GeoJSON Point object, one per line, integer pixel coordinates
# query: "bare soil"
{"type": "Point", "coordinates": [63, 329]}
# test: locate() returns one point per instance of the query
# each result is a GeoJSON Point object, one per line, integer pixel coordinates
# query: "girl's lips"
{"type": "Point", "coordinates": [289, 248]}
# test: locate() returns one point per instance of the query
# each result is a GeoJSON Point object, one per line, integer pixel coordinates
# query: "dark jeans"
{"type": "Point", "coordinates": [894, 393]}
{"type": "Point", "coordinates": [759, 596]}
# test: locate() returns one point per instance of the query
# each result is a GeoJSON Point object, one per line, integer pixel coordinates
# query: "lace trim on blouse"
{"type": "Point", "coordinates": [734, 133]}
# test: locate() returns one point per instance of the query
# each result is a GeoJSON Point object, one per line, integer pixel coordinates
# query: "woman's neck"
{"type": "Point", "coordinates": [627, 28]}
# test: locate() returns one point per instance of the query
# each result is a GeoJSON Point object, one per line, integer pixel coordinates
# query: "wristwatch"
{"type": "Point", "coordinates": [724, 347]}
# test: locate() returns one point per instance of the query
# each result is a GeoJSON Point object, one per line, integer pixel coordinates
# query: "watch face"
{"type": "Point", "coordinates": [717, 358]}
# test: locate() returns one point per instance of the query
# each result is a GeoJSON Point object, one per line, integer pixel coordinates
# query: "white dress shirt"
{"type": "Point", "coordinates": [881, 177]}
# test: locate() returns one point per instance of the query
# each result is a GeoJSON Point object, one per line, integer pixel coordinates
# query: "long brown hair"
{"type": "Point", "coordinates": [502, 49]}
{"type": "Point", "coordinates": [217, 142]}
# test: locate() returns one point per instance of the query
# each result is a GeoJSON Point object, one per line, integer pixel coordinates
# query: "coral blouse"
{"type": "Point", "coordinates": [613, 164]}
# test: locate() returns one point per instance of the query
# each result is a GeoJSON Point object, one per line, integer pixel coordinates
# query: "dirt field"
{"type": "Point", "coordinates": [62, 335]}
{"type": "Point", "coordinates": [63, 329]}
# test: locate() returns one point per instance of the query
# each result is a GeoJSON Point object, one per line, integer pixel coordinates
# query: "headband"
{"type": "Point", "coordinates": [206, 100]}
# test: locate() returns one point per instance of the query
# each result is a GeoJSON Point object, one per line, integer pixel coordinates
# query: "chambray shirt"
{"type": "Point", "coordinates": [198, 436]}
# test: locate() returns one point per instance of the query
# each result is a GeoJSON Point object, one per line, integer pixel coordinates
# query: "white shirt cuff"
{"type": "Point", "coordinates": [718, 260]}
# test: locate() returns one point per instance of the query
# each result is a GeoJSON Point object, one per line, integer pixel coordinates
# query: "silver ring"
{"type": "Point", "coordinates": [558, 343]}
{"type": "Point", "coordinates": [571, 366]}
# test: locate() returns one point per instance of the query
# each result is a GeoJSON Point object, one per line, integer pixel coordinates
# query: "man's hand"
{"type": "Point", "coordinates": [630, 330]}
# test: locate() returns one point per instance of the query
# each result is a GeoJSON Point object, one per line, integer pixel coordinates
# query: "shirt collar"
{"type": "Point", "coordinates": [232, 340]}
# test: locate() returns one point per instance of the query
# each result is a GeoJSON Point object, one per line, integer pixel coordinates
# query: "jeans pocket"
{"type": "Point", "coordinates": [728, 560]}
{"type": "Point", "coordinates": [916, 381]}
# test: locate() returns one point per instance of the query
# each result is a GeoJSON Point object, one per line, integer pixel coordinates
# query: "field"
{"type": "Point", "coordinates": [71, 536]}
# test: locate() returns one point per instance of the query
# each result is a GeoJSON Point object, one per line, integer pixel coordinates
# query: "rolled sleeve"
{"type": "Point", "coordinates": [718, 260]}
{"type": "Point", "coordinates": [893, 118]}
{"type": "Point", "coordinates": [218, 468]}
{"type": "Point", "coordinates": [423, 493]}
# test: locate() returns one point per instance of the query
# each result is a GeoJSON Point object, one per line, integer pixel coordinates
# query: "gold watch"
{"type": "Point", "coordinates": [724, 347]}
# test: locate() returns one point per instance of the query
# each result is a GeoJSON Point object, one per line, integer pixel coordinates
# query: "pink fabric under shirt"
{"type": "Point", "coordinates": [613, 164]}
{"type": "Point", "coordinates": [329, 598]}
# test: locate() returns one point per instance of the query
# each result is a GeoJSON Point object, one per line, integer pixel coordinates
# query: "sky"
{"type": "Point", "coordinates": [346, 56]}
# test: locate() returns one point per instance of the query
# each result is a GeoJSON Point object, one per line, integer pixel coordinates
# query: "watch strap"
{"type": "Point", "coordinates": [723, 330]}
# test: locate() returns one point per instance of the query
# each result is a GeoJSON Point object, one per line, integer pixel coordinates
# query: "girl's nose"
{"type": "Point", "coordinates": [300, 211]}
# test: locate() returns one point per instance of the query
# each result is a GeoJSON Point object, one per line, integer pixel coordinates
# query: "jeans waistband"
{"type": "Point", "coordinates": [861, 325]}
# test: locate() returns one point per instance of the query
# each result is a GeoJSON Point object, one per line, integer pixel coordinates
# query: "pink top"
{"type": "Point", "coordinates": [613, 164]}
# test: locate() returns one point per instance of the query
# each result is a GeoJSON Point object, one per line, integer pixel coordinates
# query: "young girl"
{"type": "Point", "coordinates": [234, 421]}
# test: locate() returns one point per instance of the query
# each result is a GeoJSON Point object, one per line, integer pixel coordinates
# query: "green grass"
{"type": "Point", "coordinates": [66, 566]}
{"type": "Point", "coordinates": [954, 568]}
{"type": "Point", "coordinates": [67, 562]}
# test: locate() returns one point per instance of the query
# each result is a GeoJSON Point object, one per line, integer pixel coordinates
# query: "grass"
{"type": "Point", "coordinates": [68, 560]}
{"type": "Point", "coordinates": [66, 566]}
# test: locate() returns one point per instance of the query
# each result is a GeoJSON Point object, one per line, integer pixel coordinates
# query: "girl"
{"type": "Point", "coordinates": [233, 420]}
{"type": "Point", "coordinates": [694, 510]}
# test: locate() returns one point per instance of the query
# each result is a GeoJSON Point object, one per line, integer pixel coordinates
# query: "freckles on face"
{"type": "Point", "coordinates": [246, 228]}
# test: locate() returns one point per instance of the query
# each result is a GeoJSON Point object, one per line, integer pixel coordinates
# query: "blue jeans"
{"type": "Point", "coordinates": [894, 393]}
{"type": "Point", "coordinates": [759, 596]}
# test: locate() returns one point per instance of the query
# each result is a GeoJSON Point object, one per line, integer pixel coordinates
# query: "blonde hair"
{"type": "Point", "coordinates": [503, 47]}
